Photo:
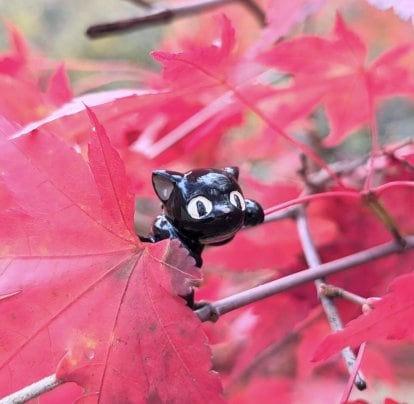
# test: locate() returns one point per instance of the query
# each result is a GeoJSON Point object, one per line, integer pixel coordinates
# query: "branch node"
{"type": "Point", "coordinates": [304, 173]}
{"type": "Point", "coordinates": [328, 290]}
{"type": "Point", "coordinates": [360, 384]}
{"type": "Point", "coordinates": [206, 311]}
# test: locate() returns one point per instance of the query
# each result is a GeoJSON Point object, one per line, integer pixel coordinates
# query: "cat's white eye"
{"type": "Point", "coordinates": [199, 207]}
{"type": "Point", "coordinates": [237, 200]}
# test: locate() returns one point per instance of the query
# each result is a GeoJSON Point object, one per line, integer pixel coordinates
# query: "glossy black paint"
{"type": "Point", "coordinates": [213, 218]}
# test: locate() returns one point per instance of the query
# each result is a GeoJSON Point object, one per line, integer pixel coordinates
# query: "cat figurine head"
{"type": "Point", "coordinates": [205, 205]}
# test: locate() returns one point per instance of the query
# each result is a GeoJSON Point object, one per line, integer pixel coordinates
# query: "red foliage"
{"type": "Point", "coordinates": [387, 320]}
{"type": "Point", "coordinates": [96, 294]}
{"type": "Point", "coordinates": [340, 78]}
{"type": "Point", "coordinates": [83, 298]}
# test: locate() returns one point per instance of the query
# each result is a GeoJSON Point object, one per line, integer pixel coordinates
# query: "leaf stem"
{"type": "Point", "coordinates": [186, 127]}
{"type": "Point", "coordinates": [393, 184]}
{"type": "Point", "coordinates": [338, 194]}
{"type": "Point", "coordinates": [308, 198]}
{"type": "Point", "coordinates": [275, 128]}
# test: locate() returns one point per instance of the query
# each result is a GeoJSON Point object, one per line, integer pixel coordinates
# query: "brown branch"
{"type": "Point", "coordinates": [333, 291]}
{"type": "Point", "coordinates": [163, 15]}
{"type": "Point", "coordinates": [353, 379]}
{"type": "Point", "coordinates": [378, 209]}
{"type": "Point", "coordinates": [32, 391]}
{"type": "Point", "coordinates": [332, 314]}
{"type": "Point", "coordinates": [212, 311]}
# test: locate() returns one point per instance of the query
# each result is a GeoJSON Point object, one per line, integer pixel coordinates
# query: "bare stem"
{"type": "Point", "coordinates": [354, 375]}
{"type": "Point", "coordinates": [316, 180]}
{"type": "Point", "coordinates": [163, 15]}
{"type": "Point", "coordinates": [185, 128]}
{"type": "Point", "coordinates": [214, 310]}
{"type": "Point", "coordinates": [287, 213]}
{"type": "Point", "coordinates": [382, 214]}
{"type": "Point", "coordinates": [333, 291]}
{"type": "Point", "coordinates": [332, 314]}
{"type": "Point", "coordinates": [32, 391]}
{"type": "Point", "coordinates": [320, 178]}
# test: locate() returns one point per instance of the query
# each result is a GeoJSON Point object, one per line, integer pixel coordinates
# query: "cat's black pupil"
{"type": "Point", "coordinates": [238, 203]}
{"type": "Point", "coordinates": [201, 209]}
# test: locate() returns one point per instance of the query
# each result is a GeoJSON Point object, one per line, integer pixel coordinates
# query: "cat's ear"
{"type": "Point", "coordinates": [234, 171]}
{"type": "Point", "coordinates": [164, 182]}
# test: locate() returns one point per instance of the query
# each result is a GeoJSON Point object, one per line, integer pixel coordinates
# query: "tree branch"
{"type": "Point", "coordinates": [32, 391]}
{"type": "Point", "coordinates": [163, 15]}
{"type": "Point", "coordinates": [333, 291]}
{"type": "Point", "coordinates": [213, 311]}
{"type": "Point", "coordinates": [332, 314]}
{"type": "Point", "coordinates": [354, 375]}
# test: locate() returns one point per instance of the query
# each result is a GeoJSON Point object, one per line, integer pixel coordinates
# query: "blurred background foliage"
{"type": "Point", "coordinates": [57, 28]}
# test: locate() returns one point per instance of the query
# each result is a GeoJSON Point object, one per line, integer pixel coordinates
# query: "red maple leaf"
{"type": "Point", "coordinates": [23, 72]}
{"type": "Point", "coordinates": [58, 90]}
{"type": "Point", "coordinates": [200, 65]}
{"type": "Point", "coordinates": [281, 16]}
{"type": "Point", "coordinates": [80, 295]}
{"type": "Point", "coordinates": [335, 72]}
{"type": "Point", "coordinates": [267, 333]}
{"type": "Point", "coordinates": [391, 319]}
{"type": "Point", "coordinates": [13, 62]}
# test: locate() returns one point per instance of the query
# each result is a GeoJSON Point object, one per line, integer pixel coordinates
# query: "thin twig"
{"type": "Point", "coordinates": [163, 15]}
{"type": "Point", "coordinates": [333, 291]}
{"type": "Point", "coordinates": [378, 209]}
{"type": "Point", "coordinates": [153, 149]}
{"type": "Point", "coordinates": [332, 314]}
{"type": "Point", "coordinates": [142, 3]}
{"type": "Point", "coordinates": [288, 213]}
{"type": "Point", "coordinates": [185, 128]}
{"type": "Point", "coordinates": [307, 198]}
{"type": "Point", "coordinates": [316, 180]}
{"type": "Point", "coordinates": [321, 177]}
{"type": "Point", "coordinates": [212, 311]}
{"type": "Point", "coordinates": [30, 392]}
{"type": "Point", "coordinates": [354, 375]}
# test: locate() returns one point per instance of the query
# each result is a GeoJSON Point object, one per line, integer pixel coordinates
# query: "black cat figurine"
{"type": "Point", "coordinates": [201, 207]}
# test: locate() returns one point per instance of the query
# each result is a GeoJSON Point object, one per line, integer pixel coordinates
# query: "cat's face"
{"type": "Point", "coordinates": [206, 205]}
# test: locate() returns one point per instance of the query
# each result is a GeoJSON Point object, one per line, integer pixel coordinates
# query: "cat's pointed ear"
{"type": "Point", "coordinates": [234, 171]}
{"type": "Point", "coordinates": [164, 182]}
